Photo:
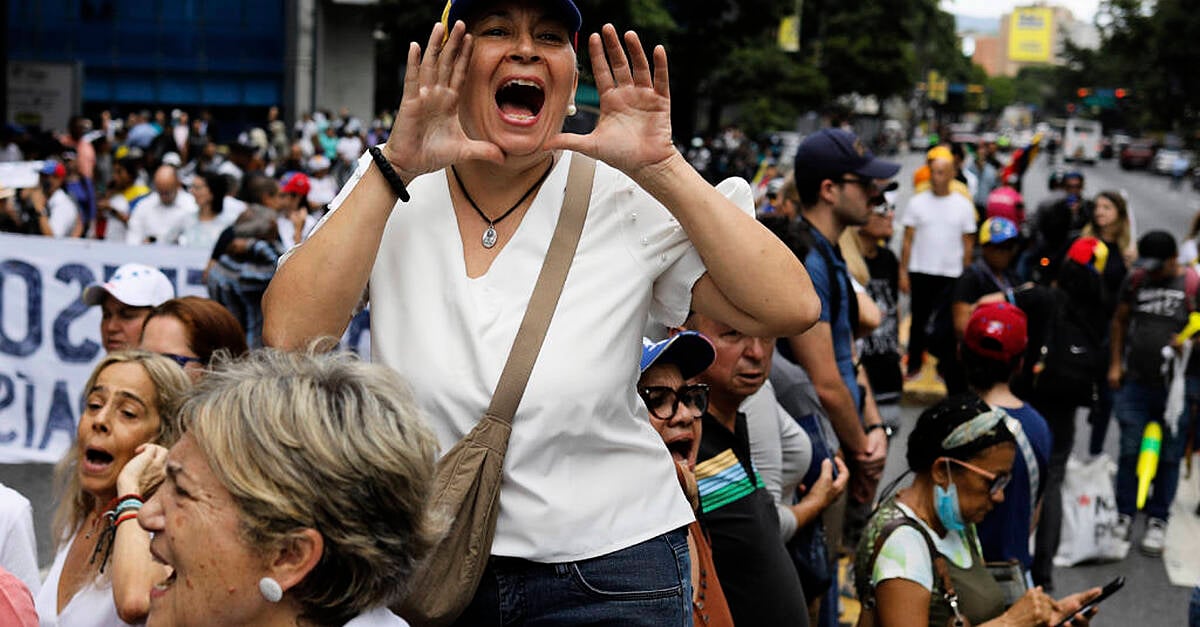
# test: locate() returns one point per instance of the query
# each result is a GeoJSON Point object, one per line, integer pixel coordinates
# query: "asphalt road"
{"type": "Point", "coordinates": [1147, 600]}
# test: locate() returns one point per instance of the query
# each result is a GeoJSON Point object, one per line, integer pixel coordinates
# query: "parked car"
{"type": "Point", "coordinates": [1164, 160]}
{"type": "Point", "coordinates": [1137, 154]}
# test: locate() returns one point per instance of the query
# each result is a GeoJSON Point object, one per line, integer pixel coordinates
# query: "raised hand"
{"type": "Point", "coordinates": [427, 135]}
{"type": "Point", "coordinates": [634, 130]}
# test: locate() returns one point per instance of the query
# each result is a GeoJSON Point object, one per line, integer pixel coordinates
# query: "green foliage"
{"type": "Point", "coordinates": [772, 88]}
{"type": "Point", "coordinates": [724, 56]}
{"type": "Point", "coordinates": [1002, 91]}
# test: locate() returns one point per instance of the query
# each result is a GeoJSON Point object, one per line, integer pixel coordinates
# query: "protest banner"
{"type": "Point", "coordinates": [50, 340]}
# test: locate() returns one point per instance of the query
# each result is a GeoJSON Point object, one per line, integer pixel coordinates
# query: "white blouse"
{"type": "Point", "coordinates": [585, 473]}
{"type": "Point", "coordinates": [92, 606]}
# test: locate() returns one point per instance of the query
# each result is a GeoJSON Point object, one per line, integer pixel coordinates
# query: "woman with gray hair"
{"type": "Point", "coordinates": [295, 496]}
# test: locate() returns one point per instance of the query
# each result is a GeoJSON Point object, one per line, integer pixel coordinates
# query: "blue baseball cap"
{"type": "Point", "coordinates": [458, 10]}
{"type": "Point", "coordinates": [689, 350]}
{"type": "Point", "coordinates": [833, 151]}
{"type": "Point", "coordinates": [997, 230]}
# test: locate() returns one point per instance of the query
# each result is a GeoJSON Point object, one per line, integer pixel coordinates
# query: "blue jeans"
{"type": "Point", "coordinates": [1136, 405]}
{"type": "Point", "coordinates": [646, 584]}
{"type": "Point", "coordinates": [1194, 608]}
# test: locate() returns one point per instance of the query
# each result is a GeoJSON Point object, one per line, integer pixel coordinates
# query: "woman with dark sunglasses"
{"type": "Point", "coordinates": [919, 561]}
{"type": "Point", "coordinates": [190, 330]}
{"type": "Point", "coordinates": [675, 408]}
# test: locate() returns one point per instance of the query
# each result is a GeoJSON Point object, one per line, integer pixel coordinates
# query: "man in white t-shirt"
{"type": "Point", "coordinates": [57, 213]}
{"type": "Point", "coordinates": [161, 217]}
{"type": "Point", "coordinates": [939, 228]}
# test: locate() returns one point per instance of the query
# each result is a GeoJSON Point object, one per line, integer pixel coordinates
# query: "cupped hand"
{"type": "Point", "coordinates": [143, 474]}
{"type": "Point", "coordinates": [634, 129]}
{"type": "Point", "coordinates": [1068, 605]}
{"type": "Point", "coordinates": [427, 135]}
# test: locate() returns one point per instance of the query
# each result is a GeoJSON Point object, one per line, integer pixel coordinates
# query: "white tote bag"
{"type": "Point", "coordinates": [1089, 513]}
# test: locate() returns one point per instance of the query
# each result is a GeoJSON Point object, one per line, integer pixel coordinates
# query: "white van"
{"type": "Point", "coordinates": [1081, 140]}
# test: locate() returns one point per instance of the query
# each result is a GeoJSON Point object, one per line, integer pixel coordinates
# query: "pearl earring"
{"type": "Point", "coordinates": [571, 110]}
{"type": "Point", "coordinates": [270, 589]}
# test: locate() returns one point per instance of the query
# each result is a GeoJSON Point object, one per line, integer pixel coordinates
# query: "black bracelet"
{"type": "Point", "coordinates": [389, 173]}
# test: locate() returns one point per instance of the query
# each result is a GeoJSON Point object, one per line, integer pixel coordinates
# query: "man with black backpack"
{"type": "Point", "coordinates": [1153, 307]}
{"type": "Point", "coordinates": [1064, 363]}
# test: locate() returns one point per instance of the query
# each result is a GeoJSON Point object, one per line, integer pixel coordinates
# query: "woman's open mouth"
{"type": "Point", "coordinates": [681, 448]}
{"type": "Point", "coordinates": [96, 460]}
{"type": "Point", "coordinates": [520, 100]}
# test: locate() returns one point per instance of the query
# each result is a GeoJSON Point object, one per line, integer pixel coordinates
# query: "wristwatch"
{"type": "Point", "coordinates": [887, 431]}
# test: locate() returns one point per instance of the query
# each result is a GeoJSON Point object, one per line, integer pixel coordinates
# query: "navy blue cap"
{"type": "Point", "coordinates": [832, 151]}
{"type": "Point", "coordinates": [689, 350]}
{"type": "Point", "coordinates": [458, 9]}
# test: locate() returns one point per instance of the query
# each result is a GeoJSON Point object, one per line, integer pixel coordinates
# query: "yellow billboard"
{"type": "Point", "coordinates": [1031, 35]}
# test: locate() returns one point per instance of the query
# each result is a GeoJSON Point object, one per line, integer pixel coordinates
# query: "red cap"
{"type": "Point", "coordinates": [295, 183]}
{"type": "Point", "coordinates": [1089, 251]}
{"type": "Point", "coordinates": [997, 331]}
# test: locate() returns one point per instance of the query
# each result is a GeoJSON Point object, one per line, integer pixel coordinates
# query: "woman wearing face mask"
{"type": "Point", "coordinates": [961, 453]}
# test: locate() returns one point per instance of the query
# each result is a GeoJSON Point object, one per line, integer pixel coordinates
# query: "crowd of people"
{"type": "Point", "coordinates": [704, 427]}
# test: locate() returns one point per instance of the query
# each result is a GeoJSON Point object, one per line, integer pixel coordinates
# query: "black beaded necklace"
{"type": "Point", "coordinates": [489, 236]}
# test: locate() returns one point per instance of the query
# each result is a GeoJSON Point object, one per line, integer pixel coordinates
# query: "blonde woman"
{"type": "Point", "coordinates": [295, 497]}
{"type": "Point", "coordinates": [103, 572]}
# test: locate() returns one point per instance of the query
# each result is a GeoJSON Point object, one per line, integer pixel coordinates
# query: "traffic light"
{"type": "Point", "coordinates": [1083, 92]}
{"type": "Point", "coordinates": [1120, 93]}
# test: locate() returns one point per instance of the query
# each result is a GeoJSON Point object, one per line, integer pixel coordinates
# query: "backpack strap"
{"type": "Point", "coordinates": [940, 567]}
{"type": "Point", "coordinates": [805, 232]}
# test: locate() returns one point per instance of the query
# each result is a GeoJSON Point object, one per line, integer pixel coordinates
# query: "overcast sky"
{"type": "Point", "coordinates": [1083, 9]}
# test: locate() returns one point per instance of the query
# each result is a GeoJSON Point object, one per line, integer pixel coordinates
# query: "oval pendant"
{"type": "Point", "coordinates": [489, 237]}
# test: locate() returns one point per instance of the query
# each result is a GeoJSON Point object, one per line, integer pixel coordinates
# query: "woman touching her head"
{"type": "Point", "coordinates": [103, 571]}
{"type": "Point", "coordinates": [461, 203]}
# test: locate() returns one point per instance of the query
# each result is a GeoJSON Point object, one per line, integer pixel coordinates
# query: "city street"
{"type": "Point", "coordinates": [1147, 599]}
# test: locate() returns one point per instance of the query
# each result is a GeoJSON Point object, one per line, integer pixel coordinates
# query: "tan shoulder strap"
{"type": "Point", "coordinates": [546, 291]}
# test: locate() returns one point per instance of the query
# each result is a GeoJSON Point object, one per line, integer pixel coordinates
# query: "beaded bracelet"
{"type": "Point", "coordinates": [389, 173]}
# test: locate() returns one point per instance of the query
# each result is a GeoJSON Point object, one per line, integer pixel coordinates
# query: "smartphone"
{"type": "Point", "coordinates": [1105, 592]}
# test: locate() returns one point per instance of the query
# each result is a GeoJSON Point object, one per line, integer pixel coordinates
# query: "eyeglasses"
{"type": "Point", "coordinates": [182, 360]}
{"type": "Point", "coordinates": [997, 483]}
{"type": "Point", "coordinates": [882, 208]}
{"type": "Point", "coordinates": [867, 185]}
{"type": "Point", "coordinates": [663, 401]}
